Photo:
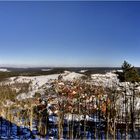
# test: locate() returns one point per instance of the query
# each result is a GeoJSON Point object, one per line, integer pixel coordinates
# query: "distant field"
{"type": "Point", "coordinates": [50, 70]}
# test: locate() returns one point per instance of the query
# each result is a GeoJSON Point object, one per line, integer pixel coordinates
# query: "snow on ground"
{"type": "Point", "coordinates": [67, 72]}
{"type": "Point", "coordinates": [39, 81]}
{"type": "Point", "coordinates": [110, 79]}
{"type": "Point", "coordinates": [107, 80]}
{"type": "Point", "coordinates": [82, 71]}
{"type": "Point", "coordinates": [36, 80]}
{"type": "Point", "coordinates": [4, 70]}
{"type": "Point", "coordinates": [72, 75]}
{"type": "Point", "coordinates": [43, 79]}
{"type": "Point", "coordinates": [23, 96]}
{"type": "Point", "coordinates": [78, 117]}
{"type": "Point", "coordinates": [46, 69]}
{"type": "Point", "coordinates": [119, 70]}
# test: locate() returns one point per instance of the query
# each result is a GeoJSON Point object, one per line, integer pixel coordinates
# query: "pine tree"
{"type": "Point", "coordinates": [129, 74]}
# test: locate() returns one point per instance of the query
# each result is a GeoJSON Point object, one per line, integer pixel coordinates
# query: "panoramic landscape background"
{"type": "Point", "coordinates": [69, 70]}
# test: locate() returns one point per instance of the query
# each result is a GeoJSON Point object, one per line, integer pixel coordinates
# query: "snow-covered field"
{"type": "Point", "coordinates": [38, 81]}
{"type": "Point", "coordinates": [108, 79]}
{"type": "Point", "coordinates": [4, 70]}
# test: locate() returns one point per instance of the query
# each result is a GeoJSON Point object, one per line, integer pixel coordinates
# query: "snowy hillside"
{"type": "Point", "coordinates": [107, 80]}
{"type": "Point", "coordinates": [38, 81]}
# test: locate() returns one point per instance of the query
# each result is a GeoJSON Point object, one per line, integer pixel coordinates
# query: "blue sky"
{"type": "Point", "coordinates": [69, 33]}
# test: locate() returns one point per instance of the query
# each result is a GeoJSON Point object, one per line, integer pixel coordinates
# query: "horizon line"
{"type": "Point", "coordinates": [54, 66]}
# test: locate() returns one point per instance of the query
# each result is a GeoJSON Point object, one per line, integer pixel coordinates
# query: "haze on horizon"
{"type": "Point", "coordinates": [98, 34]}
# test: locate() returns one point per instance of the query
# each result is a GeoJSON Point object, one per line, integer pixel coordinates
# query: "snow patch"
{"type": "Point", "coordinates": [4, 70]}
{"type": "Point", "coordinates": [72, 75]}
{"type": "Point", "coordinates": [23, 96]}
{"type": "Point", "coordinates": [46, 69]}
{"type": "Point", "coordinates": [83, 71]}
{"type": "Point", "coordinates": [107, 80]}
{"type": "Point", "coordinates": [37, 81]}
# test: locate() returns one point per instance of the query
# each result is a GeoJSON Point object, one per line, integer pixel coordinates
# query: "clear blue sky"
{"type": "Point", "coordinates": [69, 33]}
